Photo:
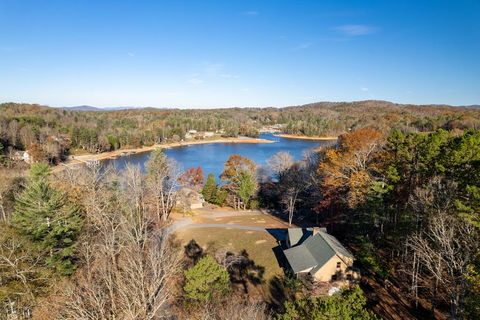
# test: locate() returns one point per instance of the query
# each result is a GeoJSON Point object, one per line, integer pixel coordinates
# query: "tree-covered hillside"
{"type": "Point", "coordinates": [51, 133]}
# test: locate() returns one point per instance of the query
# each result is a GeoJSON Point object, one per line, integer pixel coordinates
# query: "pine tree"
{"type": "Point", "coordinates": [220, 196]}
{"type": "Point", "coordinates": [210, 189]}
{"type": "Point", "coordinates": [206, 280]}
{"type": "Point", "coordinates": [247, 186]}
{"type": "Point", "coordinates": [44, 216]}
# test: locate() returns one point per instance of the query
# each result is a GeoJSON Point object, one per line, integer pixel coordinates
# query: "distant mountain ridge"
{"type": "Point", "coordinates": [320, 104]}
{"type": "Point", "coordinates": [91, 108]}
{"type": "Point", "coordinates": [83, 108]}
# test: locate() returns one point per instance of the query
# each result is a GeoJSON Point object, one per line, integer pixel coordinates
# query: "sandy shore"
{"type": "Point", "coordinates": [296, 136]}
{"type": "Point", "coordinates": [79, 159]}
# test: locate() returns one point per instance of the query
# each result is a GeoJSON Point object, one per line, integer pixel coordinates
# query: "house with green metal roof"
{"type": "Point", "coordinates": [313, 251]}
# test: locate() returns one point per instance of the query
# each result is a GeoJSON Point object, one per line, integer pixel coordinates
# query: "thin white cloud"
{"type": "Point", "coordinates": [355, 30]}
{"type": "Point", "coordinates": [131, 54]}
{"type": "Point", "coordinates": [364, 89]}
{"type": "Point", "coordinates": [251, 13]}
{"type": "Point", "coordinates": [302, 46]}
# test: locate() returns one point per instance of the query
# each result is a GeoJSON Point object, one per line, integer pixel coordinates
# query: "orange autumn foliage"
{"type": "Point", "coordinates": [235, 165]}
{"type": "Point", "coordinates": [345, 168]}
{"type": "Point", "coordinates": [192, 178]}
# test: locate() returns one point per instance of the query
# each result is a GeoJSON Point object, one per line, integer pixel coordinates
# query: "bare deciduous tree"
{"type": "Point", "coordinates": [280, 162]}
{"type": "Point", "coordinates": [292, 183]}
{"type": "Point", "coordinates": [128, 264]}
{"type": "Point", "coordinates": [162, 182]}
{"type": "Point", "coordinates": [10, 184]}
{"type": "Point", "coordinates": [21, 277]}
{"type": "Point", "coordinates": [444, 251]}
{"type": "Point", "coordinates": [444, 245]}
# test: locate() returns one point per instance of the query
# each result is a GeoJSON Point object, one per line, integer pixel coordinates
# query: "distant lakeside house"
{"type": "Point", "coordinates": [189, 199]}
{"type": "Point", "coordinates": [194, 134]}
{"type": "Point", "coordinates": [315, 252]}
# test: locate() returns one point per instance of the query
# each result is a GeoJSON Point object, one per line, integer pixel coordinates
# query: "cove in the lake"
{"type": "Point", "coordinates": [211, 157]}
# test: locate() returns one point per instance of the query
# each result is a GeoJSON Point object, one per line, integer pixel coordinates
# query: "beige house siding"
{"type": "Point", "coordinates": [197, 205]}
{"type": "Point", "coordinates": [329, 269]}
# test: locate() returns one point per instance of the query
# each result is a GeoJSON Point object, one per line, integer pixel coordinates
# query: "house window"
{"type": "Point", "coordinates": [339, 264]}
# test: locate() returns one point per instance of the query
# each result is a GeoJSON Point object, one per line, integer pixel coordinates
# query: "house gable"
{"type": "Point", "coordinates": [300, 259]}
{"type": "Point", "coordinates": [325, 272]}
{"type": "Point", "coordinates": [317, 254]}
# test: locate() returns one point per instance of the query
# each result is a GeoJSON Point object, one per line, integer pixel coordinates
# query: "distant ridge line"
{"type": "Point", "coordinates": [319, 104]}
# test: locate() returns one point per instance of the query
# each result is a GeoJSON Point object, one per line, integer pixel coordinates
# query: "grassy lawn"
{"type": "Point", "coordinates": [263, 221]}
{"type": "Point", "coordinates": [257, 244]}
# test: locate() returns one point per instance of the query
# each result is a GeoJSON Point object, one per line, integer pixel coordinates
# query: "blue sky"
{"type": "Point", "coordinates": [203, 53]}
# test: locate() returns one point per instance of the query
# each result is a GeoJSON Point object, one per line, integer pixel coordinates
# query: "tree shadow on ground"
{"type": "Point", "coordinates": [277, 293]}
{"type": "Point", "coordinates": [280, 235]}
{"type": "Point", "coordinates": [193, 252]}
{"type": "Point", "coordinates": [243, 270]}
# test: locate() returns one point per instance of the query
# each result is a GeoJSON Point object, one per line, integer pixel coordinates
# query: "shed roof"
{"type": "Point", "coordinates": [298, 235]}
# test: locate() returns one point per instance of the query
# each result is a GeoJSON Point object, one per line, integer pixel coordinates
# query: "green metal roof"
{"type": "Point", "coordinates": [336, 245]}
{"type": "Point", "coordinates": [298, 235]}
{"type": "Point", "coordinates": [300, 258]}
{"type": "Point", "coordinates": [315, 251]}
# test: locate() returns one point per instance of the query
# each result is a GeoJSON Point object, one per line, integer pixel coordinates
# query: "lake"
{"type": "Point", "coordinates": [211, 157]}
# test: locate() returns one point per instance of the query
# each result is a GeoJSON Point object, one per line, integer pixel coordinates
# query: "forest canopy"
{"type": "Point", "coordinates": [52, 133]}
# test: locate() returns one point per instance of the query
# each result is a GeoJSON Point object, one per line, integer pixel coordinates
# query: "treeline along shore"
{"type": "Point", "coordinates": [54, 134]}
{"type": "Point", "coordinates": [82, 158]}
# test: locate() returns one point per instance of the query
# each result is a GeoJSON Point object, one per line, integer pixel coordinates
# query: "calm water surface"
{"type": "Point", "coordinates": [211, 157]}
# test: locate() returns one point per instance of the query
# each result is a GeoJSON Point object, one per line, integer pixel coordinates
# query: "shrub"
{"type": "Point", "coordinates": [346, 305]}
{"type": "Point", "coordinates": [254, 204]}
{"type": "Point", "coordinates": [206, 281]}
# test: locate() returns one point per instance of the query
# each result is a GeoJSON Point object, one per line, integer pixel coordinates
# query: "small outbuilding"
{"type": "Point", "coordinates": [189, 199]}
{"type": "Point", "coordinates": [313, 251]}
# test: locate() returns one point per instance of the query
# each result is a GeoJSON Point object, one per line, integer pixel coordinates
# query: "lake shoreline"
{"type": "Point", "coordinates": [85, 158]}
{"type": "Point", "coordinates": [300, 137]}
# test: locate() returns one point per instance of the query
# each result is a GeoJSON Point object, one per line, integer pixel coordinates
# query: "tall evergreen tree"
{"type": "Point", "coordinates": [44, 215]}
{"type": "Point", "coordinates": [247, 186]}
{"type": "Point", "coordinates": [210, 189]}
